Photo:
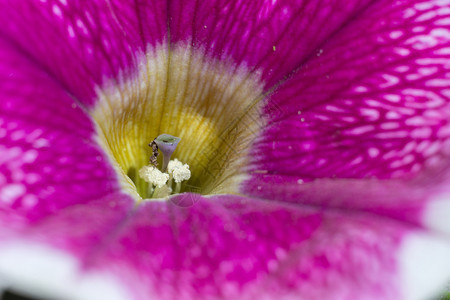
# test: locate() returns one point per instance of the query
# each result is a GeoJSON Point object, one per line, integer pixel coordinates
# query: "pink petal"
{"type": "Point", "coordinates": [273, 37]}
{"type": "Point", "coordinates": [79, 43]}
{"type": "Point", "coordinates": [49, 258]}
{"type": "Point", "coordinates": [233, 247]}
{"type": "Point", "coordinates": [423, 202]}
{"type": "Point", "coordinates": [372, 104]}
{"type": "Point", "coordinates": [49, 158]}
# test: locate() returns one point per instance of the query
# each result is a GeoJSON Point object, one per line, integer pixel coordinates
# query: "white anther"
{"type": "Point", "coordinates": [182, 174]}
{"type": "Point", "coordinates": [152, 175]}
{"type": "Point", "coordinates": [174, 164]}
{"type": "Point", "coordinates": [178, 170]}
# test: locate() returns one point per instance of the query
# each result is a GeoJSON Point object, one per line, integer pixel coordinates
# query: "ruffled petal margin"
{"type": "Point", "coordinates": [231, 247]}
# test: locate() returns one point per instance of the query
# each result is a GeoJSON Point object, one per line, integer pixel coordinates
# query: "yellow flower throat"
{"type": "Point", "coordinates": [212, 105]}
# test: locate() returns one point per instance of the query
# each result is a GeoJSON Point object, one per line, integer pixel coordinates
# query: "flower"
{"type": "Point", "coordinates": [316, 133]}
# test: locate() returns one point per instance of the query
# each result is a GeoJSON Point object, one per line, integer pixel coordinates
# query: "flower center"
{"type": "Point", "coordinates": [213, 106]}
{"type": "Point", "coordinates": [160, 181]}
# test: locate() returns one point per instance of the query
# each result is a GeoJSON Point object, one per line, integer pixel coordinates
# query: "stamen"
{"type": "Point", "coordinates": [167, 144]}
{"type": "Point", "coordinates": [173, 165]}
{"type": "Point", "coordinates": [179, 171]}
{"type": "Point", "coordinates": [153, 176]}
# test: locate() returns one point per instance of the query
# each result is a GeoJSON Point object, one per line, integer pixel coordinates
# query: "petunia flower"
{"type": "Point", "coordinates": [316, 133]}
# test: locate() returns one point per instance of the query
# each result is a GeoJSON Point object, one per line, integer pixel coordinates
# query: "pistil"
{"type": "Point", "coordinates": [167, 144]}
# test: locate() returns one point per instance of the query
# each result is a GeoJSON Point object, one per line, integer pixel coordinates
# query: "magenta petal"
{"type": "Point", "coordinates": [80, 43]}
{"type": "Point", "coordinates": [49, 158]}
{"type": "Point", "coordinates": [373, 104]}
{"type": "Point", "coordinates": [79, 229]}
{"type": "Point", "coordinates": [423, 202]}
{"type": "Point", "coordinates": [224, 247]}
{"type": "Point", "coordinates": [273, 37]}
{"type": "Point", "coordinates": [363, 108]}
{"type": "Point", "coordinates": [229, 247]}
{"type": "Point", "coordinates": [50, 259]}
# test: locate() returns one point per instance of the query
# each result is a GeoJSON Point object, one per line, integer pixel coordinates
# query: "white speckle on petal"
{"type": "Point", "coordinates": [29, 201]}
{"type": "Point", "coordinates": [11, 192]}
{"type": "Point", "coordinates": [40, 143]}
{"type": "Point", "coordinates": [56, 10]}
{"type": "Point", "coordinates": [30, 156]}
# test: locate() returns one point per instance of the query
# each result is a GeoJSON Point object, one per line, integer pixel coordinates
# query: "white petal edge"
{"type": "Point", "coordinates": [437, 214]}
{"type": "Point", "coordinates": [41, 271]}
{"type": "Point", "coordinates": [424, 262]}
